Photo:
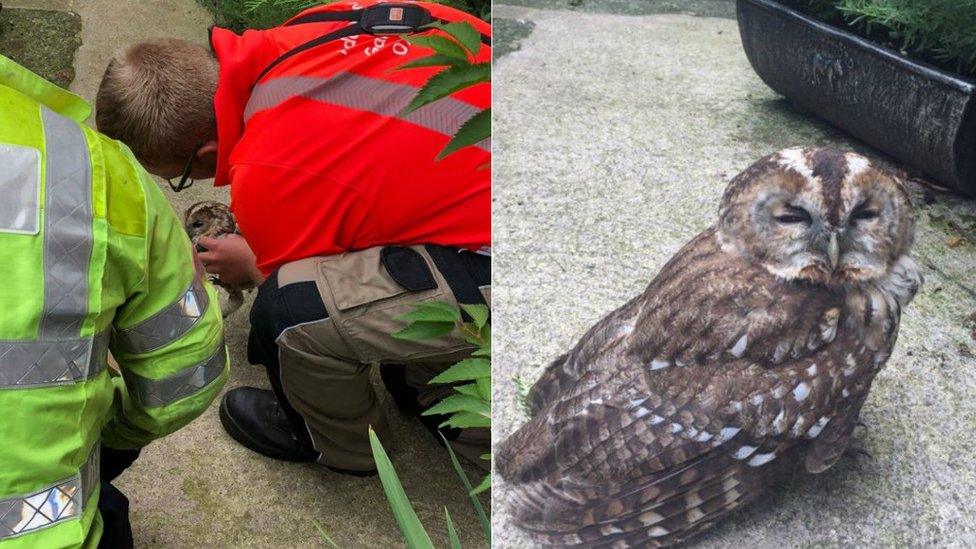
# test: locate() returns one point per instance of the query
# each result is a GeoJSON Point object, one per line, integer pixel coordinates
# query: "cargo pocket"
{"type": "Point", "coordinates": [366, 293]}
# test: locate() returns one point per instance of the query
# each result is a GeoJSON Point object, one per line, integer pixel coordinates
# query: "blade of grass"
{"type": "Point", "coordinates": [451, 532]}
{"type": "Point", "coordinates": [413, 530]}
{"type": "Point", "coordinates": [475, 502]}
{"type": "Point", "coordinates": [324, 535]}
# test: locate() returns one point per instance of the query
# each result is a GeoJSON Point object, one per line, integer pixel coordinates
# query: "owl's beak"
{"type": "Point", "coordinates": [833, 251]}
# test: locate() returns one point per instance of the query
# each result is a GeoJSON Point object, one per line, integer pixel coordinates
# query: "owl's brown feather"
{"type": "Point", "coordinates": [214, 220]}
{"type": "Point", "coordinates": [691, 399]}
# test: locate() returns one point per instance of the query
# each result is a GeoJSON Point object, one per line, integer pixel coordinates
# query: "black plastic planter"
{"type": "Point", "coordinates": [923, 116]}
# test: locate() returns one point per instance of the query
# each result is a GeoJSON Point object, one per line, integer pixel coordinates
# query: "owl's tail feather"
{"type": "Point", "coordinates": [547, 387]}
{"type": "Point", "coordinates": [524, 449]}
{"type": "Point", "coordinates": [656, 511]}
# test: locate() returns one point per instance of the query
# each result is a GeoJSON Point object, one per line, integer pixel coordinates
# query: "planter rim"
{"type": "Point", "coordinates": [952, 80]}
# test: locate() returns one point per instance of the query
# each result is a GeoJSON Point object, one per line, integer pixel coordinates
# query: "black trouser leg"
{"type": "Point", "coordinates": [113, 506]}
{"type": "Point", "coordinates": [274, 311]}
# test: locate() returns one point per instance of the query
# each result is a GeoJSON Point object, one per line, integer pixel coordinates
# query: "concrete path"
{"type": "Point", "coordinates": [198, 488]}
{"type": "Point", "coordinates": [615, 137]}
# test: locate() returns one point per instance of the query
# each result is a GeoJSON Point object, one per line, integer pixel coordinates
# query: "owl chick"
{"type": "Point", "coordinates": [213, 219]}
{"type": "Point", "coordinates": [748, 356]}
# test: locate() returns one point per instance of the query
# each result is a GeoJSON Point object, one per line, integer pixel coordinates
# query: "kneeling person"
{"type": "Point", "coordinates": [347, 218]}
{"type": "Point", "coordinates": [94, 260]}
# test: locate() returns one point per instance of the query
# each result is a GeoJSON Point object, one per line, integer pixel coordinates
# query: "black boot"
{"type": "Point", "coordinates": [254, 418]}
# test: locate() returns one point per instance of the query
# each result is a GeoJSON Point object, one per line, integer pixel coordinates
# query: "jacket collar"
{"type": "Point", "coordinates": [61, 101]}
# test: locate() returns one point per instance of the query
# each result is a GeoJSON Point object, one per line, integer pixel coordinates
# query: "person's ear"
{"type": "Point", "coordinates": [208, 148]}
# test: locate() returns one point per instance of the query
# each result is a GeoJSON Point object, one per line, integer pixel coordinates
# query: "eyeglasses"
{"type": "Point", "coordinates": [185, 181]}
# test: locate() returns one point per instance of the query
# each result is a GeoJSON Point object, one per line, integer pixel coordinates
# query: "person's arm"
{"type": "Point", "coordinates": [167, 337]}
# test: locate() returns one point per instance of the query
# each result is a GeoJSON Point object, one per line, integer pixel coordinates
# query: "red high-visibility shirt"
{"type": "Point", "coordinates": [318, 157]}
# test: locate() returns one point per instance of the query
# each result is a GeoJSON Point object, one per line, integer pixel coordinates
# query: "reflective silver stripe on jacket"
{"type": "Point", "coordinates": [444, 116]}
{"type": "Point", "coordinates": [50, 505]}
{"type": "Point", "coordinates": [60, 355]}
{"type": "Point", "coordinates": [167, 325]}
{"type": "Point", "coordinates": [160, 392]}
{"type": "Point", "coordinates": [26, 364]}
{"type": "Point", "coordinates": [67, 227]}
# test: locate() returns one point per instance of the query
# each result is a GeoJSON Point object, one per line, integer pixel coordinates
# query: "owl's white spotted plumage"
{"type": "Point", "coordinates": [214, 219]}
{"type": "Point", "coordinates": [750, 354]}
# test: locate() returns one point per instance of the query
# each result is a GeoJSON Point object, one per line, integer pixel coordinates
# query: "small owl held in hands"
{"type": "Point", "coordinates": [749, 355]}
{"type": "Point", "coordinates": [213, 219]}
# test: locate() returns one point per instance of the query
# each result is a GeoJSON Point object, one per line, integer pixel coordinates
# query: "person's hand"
{"type": "Point", "coordinates": [230, 259]}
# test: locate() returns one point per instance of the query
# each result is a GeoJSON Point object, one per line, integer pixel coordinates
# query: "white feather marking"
{"type": "Point", "coordinates": [761, 459]}
{"type": "Point", "coordinates": [657, 532]}
{"type": "Point", "coordinates": [812, 370]}
{"type": "Point", "coordinates": [744, 451]}
{"type": "Point", "coordinates": [779, 391]}
{"type": "Point", "coordinates": [757, 399]}
{"type": "Point", "coordinates": [690, 432]}
{"type": "Point", "coordinates": [798, 426]}
{"type": "Point", "coordinates": [656, 419]}
{"type": "Point", "coordinates": [794, 160]}
{"type": "Point", "coordinates": [856, 165]}
{"type": "Point", "coordinates": [658, 364]}
{"type": "Point", "coordinates": [817, 427]}
{"type": "Point", "coordinates": [694, 515]}
{"type": "Point", "coordinates": [676, 428]}
{"type": "Point", "coordinates": [641, 412]}
{"type": "Point", "coordinates": [620, 544]}
{"type": "Point", "coordinates": [740, 346]}
{"type": "Point", "coordinates": [704, 436]}
{"type": "Point", "coordinates": [610, 530]}
{"type": "Point", "coordinates": [801, 391]}
{"type": "Point", "coordinates": [845, 393]}
{"type": "Point", "coordinates": [779, 424]}
{"type": "Point", "coordinates": [725, 434]}
{"type": "Point", "coordinates": [650, 517]}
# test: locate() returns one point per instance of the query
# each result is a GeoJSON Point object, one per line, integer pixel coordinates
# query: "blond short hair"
{"type": "Point", "coordinates": [157, 98]}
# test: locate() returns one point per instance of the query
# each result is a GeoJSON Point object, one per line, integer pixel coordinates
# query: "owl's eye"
{"type": "Point", "coordinates": [794, 215]}
{"type": "Point", "coordinates": [863, 213]}
{"type": "Point", "coordinates": [197, 224]}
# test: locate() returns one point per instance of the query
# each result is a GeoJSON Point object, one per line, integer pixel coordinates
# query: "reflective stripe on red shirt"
{"type": "Point", "coordinates": [318, 157]}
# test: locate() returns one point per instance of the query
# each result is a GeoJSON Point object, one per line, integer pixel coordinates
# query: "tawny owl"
{"type": "Point", "coordinates": [213, 219]}
{"type": "Point", "coordinates": [750, 354]}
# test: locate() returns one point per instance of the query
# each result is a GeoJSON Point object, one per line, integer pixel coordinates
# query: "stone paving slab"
{"type": "Point", "coordinates": [615, 136]}
{"type": "Point", "coordinates": [198, 488]}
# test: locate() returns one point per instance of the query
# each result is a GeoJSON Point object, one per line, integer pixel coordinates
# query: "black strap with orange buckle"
{"type": "Point", "coordinates": [380, 19]}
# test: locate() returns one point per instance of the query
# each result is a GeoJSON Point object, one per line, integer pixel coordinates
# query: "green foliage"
{"type": "Point", "coordinates": [522, 393]}
{"type": "Point", "coordinates": [470, 405]}
{"type": "Point", "coordinates": [262, 14]}
{"type": "Point", "coordinates": [456, 55]}
{"type": "Point", "coordinates": [939, 31]}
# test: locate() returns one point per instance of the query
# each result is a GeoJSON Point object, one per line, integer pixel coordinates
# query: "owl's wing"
{"type": "Point", "coordinates": [674, 409]}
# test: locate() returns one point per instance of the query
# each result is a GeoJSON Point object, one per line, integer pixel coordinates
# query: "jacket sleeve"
{"type": "Point", "coordinates": [167, 337]}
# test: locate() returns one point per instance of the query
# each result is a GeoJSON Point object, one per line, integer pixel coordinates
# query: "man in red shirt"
{"type": "Point", "coordinates": [347, 217]}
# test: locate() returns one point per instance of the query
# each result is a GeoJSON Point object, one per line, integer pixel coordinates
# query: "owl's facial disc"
{"type": "Point", "coordinates": [818, 215]}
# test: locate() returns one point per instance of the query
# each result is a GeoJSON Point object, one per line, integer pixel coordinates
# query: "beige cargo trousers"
{"type": "Point", "coordinates": [320, 324]}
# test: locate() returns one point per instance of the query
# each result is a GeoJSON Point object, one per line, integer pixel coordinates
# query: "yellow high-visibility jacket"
{"type": "Point", "coordinates": [92, 259]}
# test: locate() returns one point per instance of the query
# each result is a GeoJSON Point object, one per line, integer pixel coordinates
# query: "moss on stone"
{"type": "Point", "coordinates": [43, 41]}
